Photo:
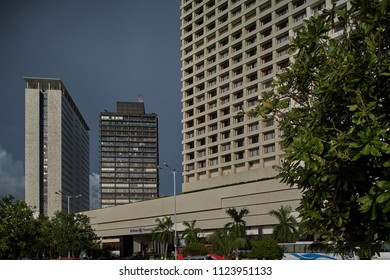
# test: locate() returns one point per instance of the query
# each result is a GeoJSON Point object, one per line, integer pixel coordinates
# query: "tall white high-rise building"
{"type": "Point", "coordinates": [56, 149]}
{"type": "Point", "coordinates": [231, 51]}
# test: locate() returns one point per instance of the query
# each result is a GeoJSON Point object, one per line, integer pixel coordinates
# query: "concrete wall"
{"type": "Point", "coordinates": [208, 207]}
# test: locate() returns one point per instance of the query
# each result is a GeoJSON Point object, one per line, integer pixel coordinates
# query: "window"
{"type": "Point", "coordinates": [224, 77]}
{"type": "Point", "coordinates": [266, 20]}
{"type": "Point", "coordinates": [202, 164]}
{"type": "Point", "coordinates": [269, 135]}
{"type": "Point", "coordinates": [253, 126]}
{"type": "Point", "coordinates": [237, 71]}
{"type": "Point", "coordinates": [269, 122]}
{"type": "Point", "coordinates": [239, 131]}
{"type": "Point", "coordinates": [213, 127]}
{"type": "Point", "coordinates": [225, 147]}
{"type": "Point", "coordinates": [282, 38]}
{"type": "Point", "coordinates": [282, 11]}
{"type": "Point", "coordinates": [269, 149]}
{"type": "Point", "coordinates": [212, 83]}
{"type": "Point", "coordinates": [224, 54]}
{"type": "Point", "coordinates": [266, 58]}
{"type": "Point", "coordinates": [298, 3]}
{"type": "Point", "coordinates": [252, 102]}
{"type": "Point", "coordinates": [225, 89]}
{"type": "Point", "coordinates": [213, 150]}
{"type": "Point", "coordinates": [319, 8]}
{"type": "Point", "coordinates": [202, 153]}
{"type": "Point", "coordinates": [252, 90]}
{"type": "Point", "coordinates": [213, 161]}
{"type": "Point", "coordinates": [237, 83]}
{"type": "Point", "coordinates": [213, 116]}
{"type": "Point", "coordinates": [266, 71]}
{"type": "Point", "coordinates": [254, 139]}
{"type": "Point", "coordinates": [251, 65]}
{"type": "Point", "coordinates": [266, 45]}
{"type": "Point", "coordinates": [239, 155]}
{"type": "Point", "coordinates": [282, 25]}
{"type": "Point", "coordinates": [254, 152]}
{"type": "Point", "coordinates": [213, 138]}
{"type": "Point", "coordinates": [283, 64]}
{"type": "Point", "coordinates": [299, 17]}
{"type": "Point", "coordinates": [225, 135]}
{"type": "Point", "coordinates": [226, 158]}
{"type": "Point", "coordinates": [282, 52]}
{"type": "Point", "coordinates": [266, 33]}
{"type": "Point", "coordinates": [239, 143]}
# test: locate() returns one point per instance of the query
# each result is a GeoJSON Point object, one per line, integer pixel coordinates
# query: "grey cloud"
{"type": "Point", "coordinates": [11, 175]}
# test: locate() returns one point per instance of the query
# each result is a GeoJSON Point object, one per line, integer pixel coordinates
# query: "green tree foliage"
{"type": "Point", "coordinates": [72, 234]}
{"type": "Point", "coordinates": [225, 241]}
{"type": "Point", "coordinates": [194, 249]}
{"type": "Point", "coordinates": [285, 230]}
{"type": "Point", "coordinates": [22, 236]}
{"type": "Point", "coordinates": [266, 249]}
{"type": "Point", "coordinates": [333, 106]}
{"type": "Point", "coordinates": [163, 233]}
{"type": "Point", "coordinates": [18, 228]}
{"type": "Point", "coordinates": [191, 232]}
{"type": "Point", "coordinates": [237, 227]}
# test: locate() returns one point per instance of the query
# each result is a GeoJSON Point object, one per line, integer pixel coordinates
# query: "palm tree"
{"type": "Point", "coordinates": [190, 234]}
{"type": "Point", "coordinates": [286, 230]}
{"type": "Point", "coordinates": [163, 233]}
{"type": "Point", "coordinates": [238, 226]}
{"type": "Point", "coordinates": [224, 242]}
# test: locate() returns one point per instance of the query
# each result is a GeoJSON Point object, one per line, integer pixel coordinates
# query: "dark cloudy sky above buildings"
{"type": "Point", "coordinates": [104, 51]}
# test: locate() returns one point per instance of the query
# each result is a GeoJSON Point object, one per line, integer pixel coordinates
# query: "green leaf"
{"type": "Point", "coordinates": [366, 202]}
{"type": "Point", "coordinates": [384, 185]}
{"type": "Point", "coordinates": [353, 107]}
{"type": "Point", "coordinates": [375, 152]}
{"type": "Point", "coordinates": [383, 197]}
{"type": "Point", "coordinates": [387, 207]}
{"type": "Point", "coordinates": [366, 150]}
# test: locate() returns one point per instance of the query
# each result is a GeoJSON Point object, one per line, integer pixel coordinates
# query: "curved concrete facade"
{"type": "Point", "coordinates": [207, 207]}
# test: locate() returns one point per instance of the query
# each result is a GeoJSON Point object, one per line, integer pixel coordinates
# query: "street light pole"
{"type": "Point", "coordinates": [173, 171]}
{"type": "Point", "coordinates": [68, 197]}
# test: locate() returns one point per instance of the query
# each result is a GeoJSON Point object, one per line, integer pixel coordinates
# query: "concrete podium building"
{"type": "Point", "coordinates": [231, 51]}
{"type": "Point", "coordinates": [56, 149]}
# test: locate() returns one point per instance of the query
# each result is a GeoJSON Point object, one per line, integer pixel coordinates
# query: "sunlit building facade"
{"type": "Point", "coordinates": [231, 51]}
{"type": "Point", "coordinates": [56, 149]}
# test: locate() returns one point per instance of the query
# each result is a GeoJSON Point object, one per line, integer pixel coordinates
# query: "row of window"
{"type": "Point", "coordinates": [268, 149]}
{"type": "Point", "coordinates": [223, 124]}
{"type": "Point", "coordinates": [128, 159]}
{"type": "Point", "coordinates": [129, 141]}
{"type": "Point", "coordinates": [127, 180]}
{"type": "Point", "coordinates": [108, 185]}
{"type": "Point", "coordinates": [127, 119]}
{"type": "Point", "coordinates": [250, 140]}
{"type": "Point", "coordinates": [113, 191]}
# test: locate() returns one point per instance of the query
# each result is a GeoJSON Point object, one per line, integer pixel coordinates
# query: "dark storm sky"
{"type": "Point", "coordinates": [104, 51]}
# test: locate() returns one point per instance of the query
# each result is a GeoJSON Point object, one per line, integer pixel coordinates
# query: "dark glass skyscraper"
{"type": "Point", "coordinates": [128, 155]}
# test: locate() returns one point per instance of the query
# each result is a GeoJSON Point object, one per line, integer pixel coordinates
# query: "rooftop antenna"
{"type": "Point", "coordinates": [140, 98]}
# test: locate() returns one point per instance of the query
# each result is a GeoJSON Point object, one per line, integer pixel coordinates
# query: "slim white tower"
{"type": "Point", "coordinates": [56, 149]}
